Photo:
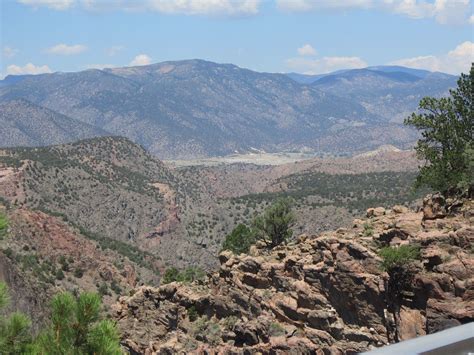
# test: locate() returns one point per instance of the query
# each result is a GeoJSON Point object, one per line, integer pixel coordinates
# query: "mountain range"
{"type": "Point", "coordinates": [194, 108]}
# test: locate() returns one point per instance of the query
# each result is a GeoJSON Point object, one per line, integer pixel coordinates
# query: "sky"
{"type": "Point", "coordinates": [304, 36]}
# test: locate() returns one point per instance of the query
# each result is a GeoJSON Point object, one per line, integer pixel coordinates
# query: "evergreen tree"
{"type": "Point", "coordinates": [171, 275]}
{"type": "Point", "coordinates": [76, 328]}
{"type": "Point", "coordinates": [14, 330]}
{"type": "Point", "coordinates": [274, 226]}
{"type": "Point", "coordinates": [447, 126]}
{"type": "Point", "coordinates": [239, 240]}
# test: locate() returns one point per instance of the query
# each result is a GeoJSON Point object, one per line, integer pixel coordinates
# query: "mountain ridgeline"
{"type": "Point", "coordinates": [194, 108]}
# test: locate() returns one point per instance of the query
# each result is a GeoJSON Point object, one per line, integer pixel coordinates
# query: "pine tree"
{"type": "Point", "coordinates": [447, 126]}
{"type": "Point", "coordinates": [274, 226]}
{"type": "Point", "coordinates": [239, 240]}
{"type": "Point", "coordinates": [14, 330]}
{"type": "Point", "coordinates": [76, 328]}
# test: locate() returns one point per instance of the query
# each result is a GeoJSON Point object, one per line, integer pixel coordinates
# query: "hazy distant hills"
{"type": "Point", "coordinates": [196, 108]}
{"type": "Point", "coordinates": [388, 92]}
{"type": "Point", "coordinates": [309, 79]}
{"type": "Point", "coordinates": [26, 124]}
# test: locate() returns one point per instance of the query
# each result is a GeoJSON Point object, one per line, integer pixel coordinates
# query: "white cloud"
{"type": "Point", "coordinates": [307, 50]}
{"type": "Point", "coordinates": [141, 59]}
{"type": "Point", "coordinates": [114, 50]}
{"type": "Point", "coordinates": [471, 20]}
{"type": "Point", "coordinates": [454, 62]}
{"type": "Point", "coordinates": [100, 66]}
{"type": "Point", "coordinates": [206, 7]}
{"type": "Point", "coordinates": [9, 52]}
{"type": "Point", "coordinates": [27, 69]}
{"type": "Point", "coordinates": [313, 5]}
{"type": "Point", "coordinates": [64, 49]}
{"type": "Point", "coordinates": [52, 4]}
{"type": "Point", "coordinates": [186, 7]}
{"type": "Point", "coordinates": [325, 64]}
{"type": "Point", "coordinates": [443, 11]}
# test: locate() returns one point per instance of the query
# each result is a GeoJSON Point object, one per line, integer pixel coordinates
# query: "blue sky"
{"type": "Point", "coordinates": [306, 36]}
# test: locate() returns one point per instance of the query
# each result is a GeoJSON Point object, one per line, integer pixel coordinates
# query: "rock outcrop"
{"type": "Point", "coordinates": [318, 294]}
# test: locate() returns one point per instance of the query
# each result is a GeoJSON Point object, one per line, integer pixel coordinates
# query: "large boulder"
{"type": "Point", "coordinates": [434, 206]}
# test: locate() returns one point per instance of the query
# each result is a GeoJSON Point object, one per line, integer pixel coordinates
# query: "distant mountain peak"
{"type": "Point", "coordinates": [196, 108]}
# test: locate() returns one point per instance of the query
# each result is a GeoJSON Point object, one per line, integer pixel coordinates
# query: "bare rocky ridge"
{"type": "Point", "coordinates": [319, 294]}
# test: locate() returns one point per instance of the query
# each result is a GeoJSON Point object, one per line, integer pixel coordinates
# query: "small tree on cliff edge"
{"type": "Point", "coordinates": [447, 145]}
{"type": "Point", "coordinates": [274, 226]}
{"type": "Point", "coordinates": [239, 240]}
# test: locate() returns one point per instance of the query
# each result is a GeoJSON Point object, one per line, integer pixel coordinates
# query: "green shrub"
{"type": "Point", "coordinates": [59, 275]}
{"type": "Point", "coordinates": [230, 322]}
{"type": "Point", "coordinates": [103, 289]}
{"type": "Point", "coordinates": [8, 252]}
{"type": "Point", "coordinates": [398, 256]}
{"type": "Point", "coordinates": [171, 275]}
{"type": "Point", "coordinates": [192, 313]}
{"type": "Point", "coordinates": [239, 240]}
{"type": "Point", "coordinates": [368, 230]}
{"type": "Point", "coordinates": [116, 287]}
{"type": "Point", "coordinates": [189, 274]}
{"type": "Point", "coordinates": [3, 225]}
{"type": "Point", "coordinates": [276, 329]}
{"type": "Point", "coordinates": [398, 262]}
{"type": "Point", "coordinates": [213, 334]}
{"type": "Point", "coordinates": [78, 273]}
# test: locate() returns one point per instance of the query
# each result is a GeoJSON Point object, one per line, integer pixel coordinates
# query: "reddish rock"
{"type": "Point", "coordinates": [411, 323]}
{"type": "Point", "coordinates": [434, 206]}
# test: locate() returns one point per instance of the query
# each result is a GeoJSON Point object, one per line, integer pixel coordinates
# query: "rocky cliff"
{"type": "Point", "coordinates": [318, 294]}
{"type": "Point", "coordinates": [42, 255]}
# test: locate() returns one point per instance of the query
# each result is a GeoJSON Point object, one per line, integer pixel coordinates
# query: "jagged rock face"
{"type": "Point", "coordinates": [319, 294]}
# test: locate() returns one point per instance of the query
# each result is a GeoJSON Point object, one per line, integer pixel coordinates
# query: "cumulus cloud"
{"type": "Point", "coordinates": [27, 69]}
{"type": "Point", "coordinates": [454, 62]}
{"type": "Point", "coordinates": [307, 50]}
{"type": "Point", "coordinates": [186, 7]}
{"type": "Point", "coordinates": [443, 11]}
{"type": "Point", "coordinates": [9, 52]}
{"type": "Point", "coordinates": [52, 4]}
{"type": "Point", "coordinates": [64, 49]}
{"type": "Point", "coordinates": [324, 65]}
{"type": "Point", "coordinates": [141, 59]}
